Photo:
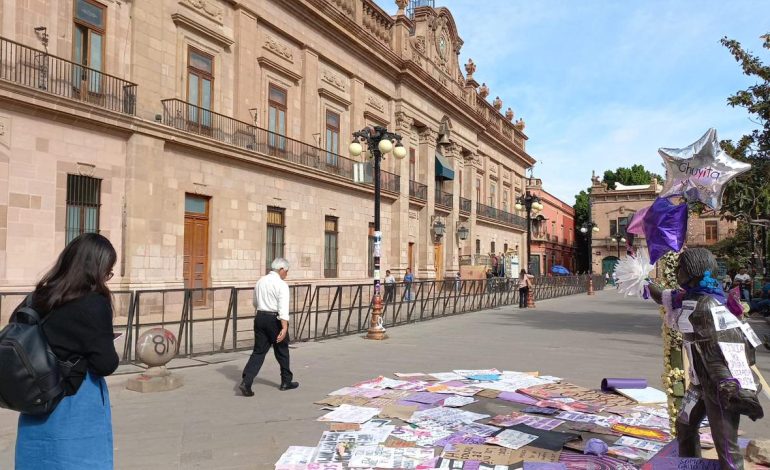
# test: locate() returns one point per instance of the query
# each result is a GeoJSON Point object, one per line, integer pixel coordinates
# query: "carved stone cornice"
{"type": "Point", "coordinates": [285, 71]}
{"type": "Point", "coordinates": [403, 121]}
{"type": "Point", "coordinates": [186, 22]}
{"type": "Point", "coordinates": [333, 97]}
{"type": "Point", "coordinates": [278, 48]}
{"type": "Point", "coordinates": [428, 136]}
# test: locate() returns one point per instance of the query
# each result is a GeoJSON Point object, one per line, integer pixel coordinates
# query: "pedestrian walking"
{"type": "Point", "coordinates": [458, 282]}
{"type": "Point", "coordinates": [271, 327]}
{"type": "Point", "coordinates": [74, 302]}
{"type": "Point", "coordinates": [390, 286]}
{"type": "Point", "coordinates": [525, 282]}
{"type": "Point", "coordinates": [408, 279]}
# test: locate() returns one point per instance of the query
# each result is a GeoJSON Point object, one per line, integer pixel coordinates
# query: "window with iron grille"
{"type": "Point", "coordinates": [330, 246]}
{"type": "Point", "coordinates": [370, 262]}
{"type": "Point", "coordinates": [275, 234]}
{"type": "Point", "coordinates": [83, 202]}
{"type": "Point", "coordinates": [478, 246]}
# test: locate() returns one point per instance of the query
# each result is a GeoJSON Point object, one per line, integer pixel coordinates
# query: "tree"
{"type": "Point", "coordinates": [637, 174]}
{"type": "Point", "coordinates": [749, 194]}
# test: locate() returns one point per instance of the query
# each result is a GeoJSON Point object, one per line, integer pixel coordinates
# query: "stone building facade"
{"type": "Point", "coordinates": [204, 137]}
{"type": "Point", "coordinates": [611, 209]}
{"type": "Point", "coordinates": [553, 232]}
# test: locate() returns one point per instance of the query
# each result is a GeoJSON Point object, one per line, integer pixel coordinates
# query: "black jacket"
{"type": "Point", "coordinates": [82, 329]}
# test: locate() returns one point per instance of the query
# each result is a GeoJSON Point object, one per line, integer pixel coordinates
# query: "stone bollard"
{"type": "Point", "coordinates": [156, 347]}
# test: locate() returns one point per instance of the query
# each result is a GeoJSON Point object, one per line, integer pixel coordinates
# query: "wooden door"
{"type": "Point", "coordinates": [438, 260]}
{"type": "Point", "coordinates": [196, 246]}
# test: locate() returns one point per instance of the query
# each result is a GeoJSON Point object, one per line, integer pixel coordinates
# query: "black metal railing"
{"type": "Point", "coordinates": [500, 215]}
{"type": "Point", "coordinates": [418, 190]}
{"type": "Point", "coordinates": [443, 198]}
{"type": "Point", "coordinates": [220, 319]}
{"type": "Point", "coordinates": [465, 205]}
{"type": "Point", "coordinates": [190, 118]}
{"type": "Point", "coordinates": [47, 73]}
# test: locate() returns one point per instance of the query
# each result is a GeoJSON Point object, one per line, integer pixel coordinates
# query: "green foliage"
{"type": "Point", "coordinates": [736, 249]}
{"type": "Point", "coordinates": [637, 174]}
{"type": "Point", "coordinates": [749, 194]}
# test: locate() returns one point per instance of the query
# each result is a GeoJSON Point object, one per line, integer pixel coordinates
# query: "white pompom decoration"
{"type": "Point", "coordinates": [632, 273]}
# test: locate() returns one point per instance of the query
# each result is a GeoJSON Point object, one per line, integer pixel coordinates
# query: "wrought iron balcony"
{"type": "Point", "coordinates": [465, 205]}
{"type": "Point", "coordinates": [443, 198]}
{"type": "Point", "coordinates": [418, 190]}
{"type": "Point", "coordinates": [500, 216]}
{"type": "Point", "coordinates": [194, 119]}
{"type": "Point", "coordinates": [42, 71]}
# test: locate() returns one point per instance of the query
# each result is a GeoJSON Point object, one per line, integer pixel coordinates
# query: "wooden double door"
{"type": "Point", "coordinates": [196, 246]}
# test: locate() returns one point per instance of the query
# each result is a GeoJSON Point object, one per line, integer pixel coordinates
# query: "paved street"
{"type": "Point", "coordinates": [206, 425]}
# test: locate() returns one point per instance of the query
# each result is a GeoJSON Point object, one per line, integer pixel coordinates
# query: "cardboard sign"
{"type": "Point", "coordinates": [494, 455]}
{"type": "Point", "coordinates": [344, 427]}
{"type": "Point", "coordinates": [735, 355]}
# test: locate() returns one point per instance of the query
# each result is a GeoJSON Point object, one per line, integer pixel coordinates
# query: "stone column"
{"type": "Point", "coordinates": [246, 90]}
{"type": "Point", "coordinates": [451, 242]}
{"type": "Point", "coordinates": [310, 99]}
{"type": "Point", "coordinates": [472, 175]}
{"type": "Point", "coordinates": [427, 169]}
{"type": "Point", "coordinates": [399, 236]}
{"type": "Point", "coordinates": [357, 107]}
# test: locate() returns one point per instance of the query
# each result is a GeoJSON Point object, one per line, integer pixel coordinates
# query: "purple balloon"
{"type": "Point", "coordinates": [665, 226]}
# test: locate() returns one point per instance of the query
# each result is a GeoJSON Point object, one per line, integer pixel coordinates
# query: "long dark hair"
{"type": "Point", "coordinates": [82, 268]}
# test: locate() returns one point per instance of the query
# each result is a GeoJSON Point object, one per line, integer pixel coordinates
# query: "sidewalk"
{"type": "Point", "coordinates": [206, 425]}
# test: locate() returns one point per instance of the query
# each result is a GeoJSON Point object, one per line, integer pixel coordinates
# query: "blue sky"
{"type": "Point", "coordinates": [605, 83]}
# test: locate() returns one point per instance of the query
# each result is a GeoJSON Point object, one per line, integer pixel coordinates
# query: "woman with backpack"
{"type": "Point", "coordinates": [74, 303]}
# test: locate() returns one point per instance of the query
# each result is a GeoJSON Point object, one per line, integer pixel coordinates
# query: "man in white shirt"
{"type": "Point", "coordinates": [743, 279]}
{"type": "Point", "coordinates": [271, 327]}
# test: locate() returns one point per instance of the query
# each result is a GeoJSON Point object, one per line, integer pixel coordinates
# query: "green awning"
{"type": "Point", "coordinates": [444, 169]}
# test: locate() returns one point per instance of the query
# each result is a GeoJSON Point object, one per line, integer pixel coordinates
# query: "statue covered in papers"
{"type": "Point", "coordinates": [720, 348]}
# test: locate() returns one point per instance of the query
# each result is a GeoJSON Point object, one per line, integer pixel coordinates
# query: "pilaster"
{"type": "Point", "coordinates": [310, 99]}
{"type": "Point", "coordinates": [426, 268]}
{"type": "Point", "coordinates": [246, 88]}
{"type": "Point", "coordinates": [399, 236]}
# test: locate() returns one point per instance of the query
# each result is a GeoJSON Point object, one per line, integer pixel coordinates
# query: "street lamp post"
{"type": "Point", "coordinates": [379, 142]}
{"type": "Point", "coordinates": [618, 239]}
{"type": "Point", "coordinates": [588, 229]}
{"type": "Point", "coordinates": [531, 204]}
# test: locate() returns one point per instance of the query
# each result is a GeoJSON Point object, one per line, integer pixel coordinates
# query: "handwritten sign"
{"type": "Point", "coordinates": [683, 324]}
{"type": "Point", "coordinates": [494, 455]}
{"type": "Point", "coordinates": [735, 355]}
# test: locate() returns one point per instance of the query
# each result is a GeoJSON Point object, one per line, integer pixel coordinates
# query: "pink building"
{"type": "Point", "coordinates": [553, 232]}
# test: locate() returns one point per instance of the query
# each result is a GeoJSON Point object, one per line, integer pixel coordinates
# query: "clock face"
{"type": "Point", "coordinates": [442, 46]}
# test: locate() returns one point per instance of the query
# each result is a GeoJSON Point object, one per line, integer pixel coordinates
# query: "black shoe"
{"type": "Point", "coordinates": [289, 385]}
{"type": "Point", "coordinates": [245, 390]}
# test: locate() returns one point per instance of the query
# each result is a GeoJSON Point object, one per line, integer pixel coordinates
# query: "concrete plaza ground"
{"type": "Point", "coordinates": [207, 425]}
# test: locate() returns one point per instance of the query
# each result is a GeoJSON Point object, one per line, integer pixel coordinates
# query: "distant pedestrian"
{"type": "Point", "coordinates": [490, 276]}
{"type": "Point", "coordinates": [525, 282]}
{"type": "Point", "coordinates": [271, 327]}
{"type": "Point", "coordinates": [743, 279]}
{"type": "Point", "coordinates": [390, 286]}
{"type": "Point", "coordinates": [74, 301]}
{"type": "Point", "coordinates": [458, 282]}
{"type": "Point", "coordinates": [607, 278]}
{"type": "Point", "coordinates": [408, 279]}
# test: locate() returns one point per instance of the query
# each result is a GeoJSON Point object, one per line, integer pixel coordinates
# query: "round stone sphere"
{"type": "Point", "coordinates": [156, 347]}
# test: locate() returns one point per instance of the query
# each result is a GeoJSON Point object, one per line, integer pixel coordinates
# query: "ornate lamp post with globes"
{"type": "Point", "coordinates": [379, 142]}
{"type": "Point", "coordinates": [588, 229]}
{"type": "Point", "coordinates": [532, 205]}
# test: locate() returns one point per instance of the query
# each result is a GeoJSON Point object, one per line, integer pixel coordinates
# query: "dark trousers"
{"type": "Point", "coordinates": [724, 429]}
{"type": "Point", "coordinates": [266, 329]}
{"type": "Point", "coordinates": [523, 293]}
{"type": "Point", "coordinates": [390, 291]}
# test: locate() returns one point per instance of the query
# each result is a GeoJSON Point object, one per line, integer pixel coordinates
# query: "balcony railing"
{"type": "Point", "coordinates": [36, 69]}
{"type": "Point", "coordinates": [500, 216]}
{"type": "Point", "coordinates": [190, 118]}
{"type": "Point", "coordinates": [418, 190]}
{"type": "Point", "coordinates": [443, 198]}
{"type": "Point", "coordinates": [465, 205]}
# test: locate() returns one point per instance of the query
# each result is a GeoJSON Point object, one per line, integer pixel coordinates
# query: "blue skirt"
{"type": "Point", "coordinates": [76, 435]}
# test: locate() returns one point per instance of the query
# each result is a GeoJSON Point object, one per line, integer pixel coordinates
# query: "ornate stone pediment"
{"type": "Point", "coordinates": [334, 79]}
{"type": "Point", "coordinates": [278, 48]}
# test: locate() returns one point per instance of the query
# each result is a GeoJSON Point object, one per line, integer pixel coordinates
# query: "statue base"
{"type": "Point", "coordinates": [155, 379]}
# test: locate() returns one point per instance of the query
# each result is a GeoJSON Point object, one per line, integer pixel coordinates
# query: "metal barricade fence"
{"type": "Point", "coordinates": [220, 319]}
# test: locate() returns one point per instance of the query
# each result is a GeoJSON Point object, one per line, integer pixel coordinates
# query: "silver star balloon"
{"type": "Point", "coordinates": [700, 171]}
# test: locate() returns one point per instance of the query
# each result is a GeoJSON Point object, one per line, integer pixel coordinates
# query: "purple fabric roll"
{"type": "Point", "coordinates": [609, 385]}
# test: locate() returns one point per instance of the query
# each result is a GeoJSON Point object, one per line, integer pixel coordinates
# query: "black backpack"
{"type": "Point", "coordinates": [30, 373]}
